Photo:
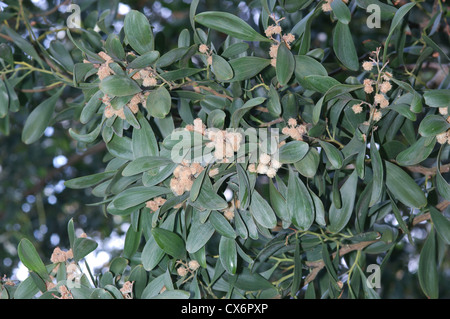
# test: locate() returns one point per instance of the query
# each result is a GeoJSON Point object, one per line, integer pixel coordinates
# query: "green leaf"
{"type": "Point", "coordinates": [199, 235]}
{"type": "Point", "coordinates": [138, 32]}
{"type": "Point", "coordinates": [285, 64]}
{"type": "Point", "coordinates": [299, 202]}
{"type": "Point", "coordinates": [222, 225]}
{"type": "Point", "coordinates": [441, 223]}
{"type": "Point", "coordinates": [343, 46]}
{"type": "Point", "coordinates": [39, 119]}
{"type": "Point", "coordinates": [170, 242]}
{"type": "Point", "coordinates": [89, 180]}
{"type": "Point", "coordinates": [4, 99]}
{"type": "Point", "coordinates": [30, 258]}
{"type": "Point", "coordinates": [119, 85]}
{"type": "Point", "coordinates": [292, 152]}
{"type": "Point", "coordinates": [416, 153]}
{"type": "Point", "coordinates": [262, 212]}
{"type": "Point", "coordinates": [86, 138]}
{"type": "Point", "coordinates": [378, 173]}
{"type": "Point", "coordinates": [247, 67]}
{"type": "Point", "coordinates": [120, 147]}
{"type": "Point", "coordinates": [244, 187]}
{"type": "Point", "coordinates": [151, 254]}
{"type": "Point", "coordinates": [428, 275]}
{"type": "Point", "coordinates": [398, 17]}
{"type": "Point", "coordinates": [278, 202]}
{"type": "Point", "coordinates": [229, 24]}
{"type": "Point", "coordinates": [228, 254]}
{"type": "Point", "coordinates": [235, 49]}
{"type": "Point", "coordinates": [173, 294]}
{"type": "Point", "coordinates": [437, 98]}
{"type": "Point", "coordinates": [91, 107]}
{"type": "Point", "coordinates": [340, 217]}
{"type": "Point", "coordinates": [319, 83]}
{"type": "Point", "coordinates": [305, 66]}
{"type": "Point", "coordinates": [251, 281]}
{"type": "Point", "coordinates": [396, 182]}
{"type": "Point", "coordinates": [208, 199]}
{"type": "Point", "coordinates": [441, 184]}
{"type": "Point", "coordinates": [433, 125]}
{"type": "Point", "coordinates": [333, 154]}
{"type": "Point", "coordinates": [143, 164]}
{"type": "Point", "coordinates": [341, 11]}
{"type": "Point", "coordinates": [144, 139]}
{"type": "Point", "coordinates": [159, 102]}
{"type": "Point", "coordinates": [23, 44]}
{"type": "Point", "coordinates": [132, 241]}
{"type": "Point", "coordinates": [308, 165]}
{"type": "Point", "coordinates": [138, 195]}
{"type": "Point", "coordinates": [82, 247]}
{"type": "Point", "coordinates": [221, 68]}
{"type": "Point", "coordinates": [273, 103]}
{"type": "Point", "coordinates": [144, 60]}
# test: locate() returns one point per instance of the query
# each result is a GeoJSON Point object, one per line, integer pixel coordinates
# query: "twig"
{"type": "Point", "coordinates": [43, 89]}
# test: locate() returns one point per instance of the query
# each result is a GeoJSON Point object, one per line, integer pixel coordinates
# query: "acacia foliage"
{"type": "Point", "coordinates": [362, 138]}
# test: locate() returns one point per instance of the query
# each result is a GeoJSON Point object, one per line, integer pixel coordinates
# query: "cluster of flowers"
{"type": "Point", "coordinates": [190, 267]}
{"type": "Point", "coordinates": [147, 75]}
{"type": "Point", "coordinates": [203, 48]}
{"type": "Point", "coordinates": [294, 130]}
{"type": "Point", "coordinates": [275, 30]}
{"type": "Point", "coordinates": [267, 165]}
{"type": "Point", "coordinates": [380, 87]}
{"type": "Point", "coordinates": [184, 176]}
{"type": "Point", "coordinates": [445, 136]}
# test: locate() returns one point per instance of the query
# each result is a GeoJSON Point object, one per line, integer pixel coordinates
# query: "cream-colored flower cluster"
{"type": "Point", "coordinates": [267, 165]}
{"type": "Point", "coordinates": [294, 130]}
{"type": "Point", "coordinates": [155, 203]}
{"type": "Point", "coordinates": [274, 32]}
{"type": "Point", "coordinates": [133, 105]}
{"type": "Point", "coordinates": [127, 289]}
{"type": "Point", "coordinates": [445, 136]}
{"type": "Point", "coordinates": [203, 48]}
{"type": "Point", "coordinates": [326, 7]}
{"type": "Point", "coordinates": [184, 176]}
{"type": "Point", "coordinates": [190, 267]}
{"type": "Point", "coordinates": [381, 86]}
{"type": "Point", "coordinates": [147, 75]}
{"type": "Point", "coordinates": [224, 142]}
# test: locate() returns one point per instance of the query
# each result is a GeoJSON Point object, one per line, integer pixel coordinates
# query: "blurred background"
{"type": "Point", "coordinates": [33, 200]}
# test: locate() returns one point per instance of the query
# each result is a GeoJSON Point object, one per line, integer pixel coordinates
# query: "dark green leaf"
{"type": "Point", "coordinates": [138, 32]}
{"type": "Point", "coordinates": [159, 102]}
{"type": "Point", "coordinates": [170, 242]}
{"type": "Point", "coordinates": [428, 275]}
{"type": "Point", "coordinates": [343, 46]}
{"type": "Point", "coordinates": [299, 202]}
{"type": "Point", "coordinates": [228, 254]}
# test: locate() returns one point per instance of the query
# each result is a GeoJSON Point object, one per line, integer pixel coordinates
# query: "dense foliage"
{"type": "Point", "coordinates": [272, 156]}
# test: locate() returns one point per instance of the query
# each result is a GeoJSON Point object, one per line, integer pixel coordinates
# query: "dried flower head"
{"type": "Point", "coordinates": [357, 108]}
{"type": "Point", "coordinates": [367, 66]}
{"type": "Point", "coordinates": [193, 265]}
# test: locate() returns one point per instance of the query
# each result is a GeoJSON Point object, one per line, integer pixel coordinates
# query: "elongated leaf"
{"type": "Point", "coordinates": [417, 152]}
{"type": "Point", "coordinates": [441, 223]}
{"type": "Point", "coordinates": [299, 202]}
{"type": "Point", "coordinates": [229, 24]}
{"type": "Point", "coordinates": [341, 11]}
{"type": "Point", "coordinates": [143, 164]}
{"type": "Point", "coordinates": [221, 68]}
{"type": "Point", "coordinates": [4, 99]}
{"type": "Point", "coordinates": [437, 98]}
{"type": "Point", "coordinates": [397, 179]}
{"type": "Point", "coordinates": [441, 184]}
{"type": "Point", "coordinates": [428, 275]}
{"type": "Point", "coordinates": [228, 254]}
{"type": "Point", "coordinates": [39, 119]}
{"type": "Point", "coordinates": [247, 67]}
{"type": "Point", "coordinates": [198, 236]}
{"type": "Point", "coordinates": [119, 85]}
{"type": "Point", "coordinates": [30, 258]}
{"type": "Point", "coordinates": [89, 180]}
{"type": "Point", "coordinates": [340, 217]}
{"type": "Point", "coordinates": [222, 225]}
{"type": "Point", "coordinates": [333, 154]}
{"type": "Point", "coordinates": [240, 112]}
{"type": "Point", "coordinates": [261, 211]}
{"type": "Point", "coordinates": [138, 32]}
{"type": "Point", "coordinates": [343, 46]}
{"type": "Point", "coordinates": [82, 247]}
{"type": "Point", "coordinates": [151, 254]}
{"type": "Point", "coordinates": [285, 64]}
{"type": "Point", "coordinates": [144, 60]}
{"type": "Point", "coordinates": [170, 242]}
{"type": "Point", "coordinates": [138, 195]}
{"type": "Point", "coordinates": [308, 165]}
{"type": "Point", "coordinates": [378, 173]}
{"type": "Point", "coordinates": [278, 202]}
{"type": "Point", "coordinates": [433, 125]}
